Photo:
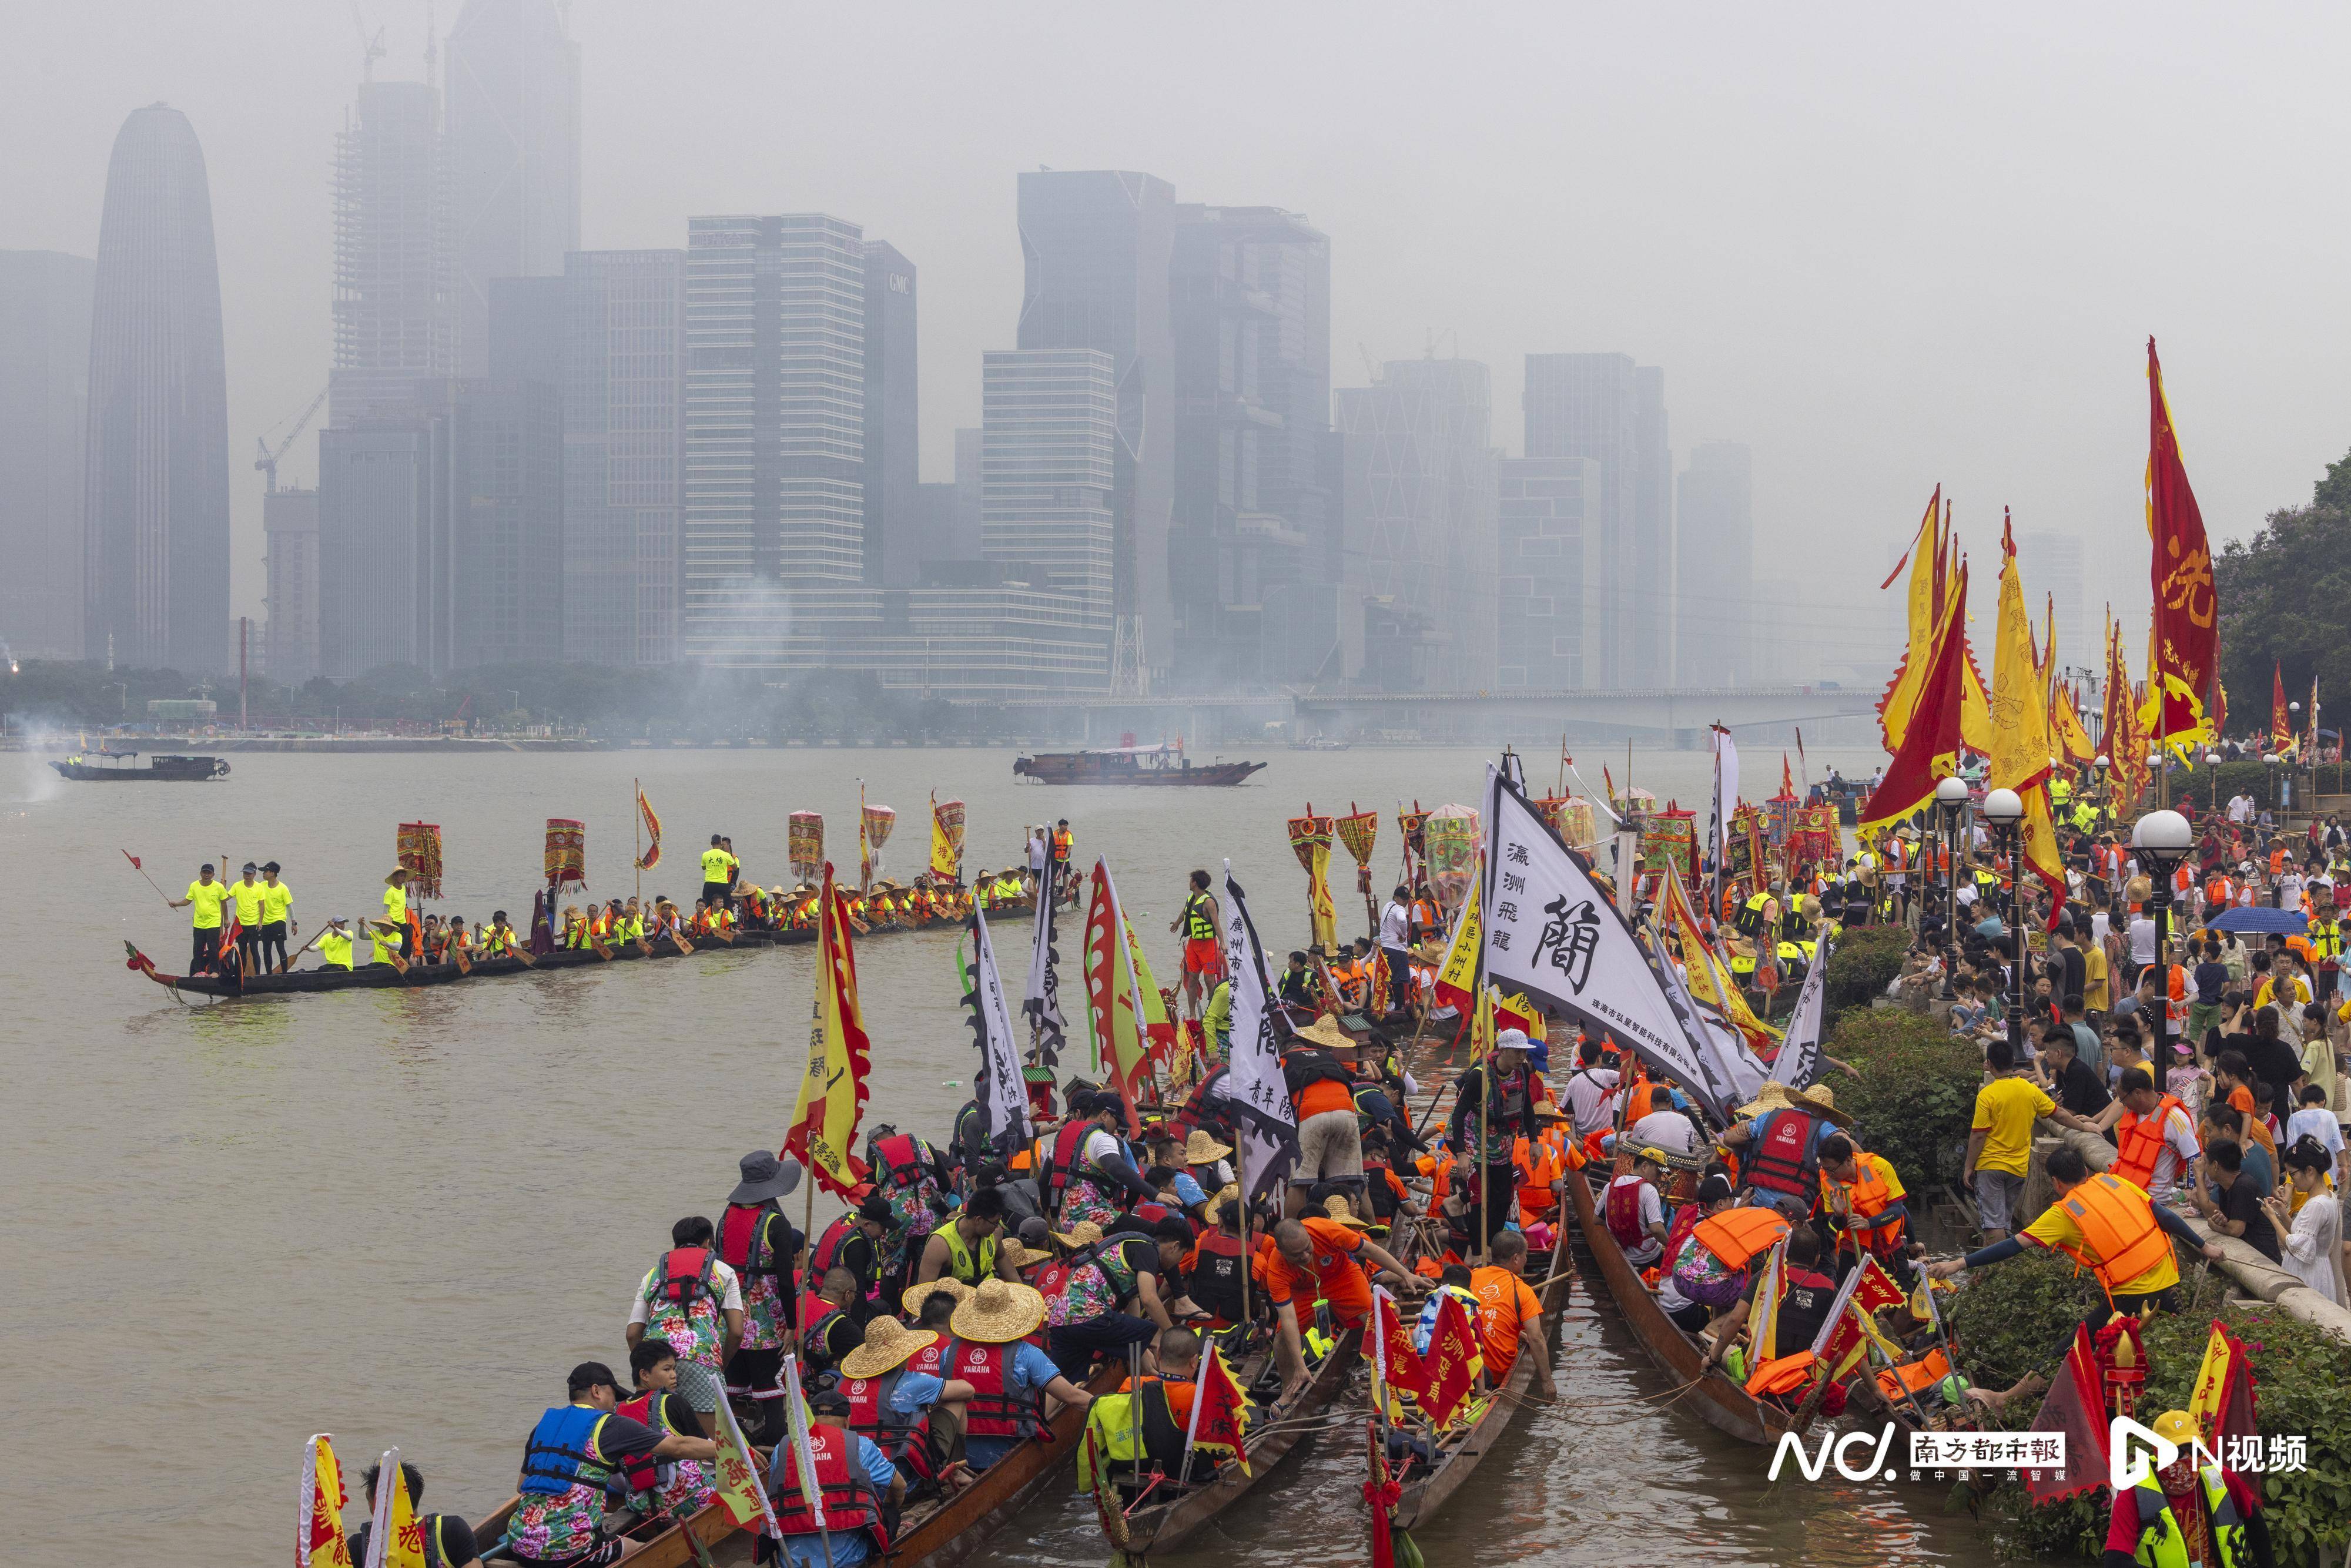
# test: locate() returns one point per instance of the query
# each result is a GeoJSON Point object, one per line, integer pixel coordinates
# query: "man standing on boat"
{"type": "Point", "coordinates": [1396, 943]}
{"type": "Point", "coordinates": [205, 898]}
{"type": "Point", "coordinates": [696, 1303]}
{"type": "Point", "coordinates": [248, 897]}
{"type": "Point", "coordinates": [718, 869]}
{"type": "Point", "coordinates": [1204, 950]}
{"type": "Point", "coordinates": [1493, 1108]}
{"type": "Point", "coordinates": [276, 917]}
{"type": "Point", "coordinates": [758, 1241]}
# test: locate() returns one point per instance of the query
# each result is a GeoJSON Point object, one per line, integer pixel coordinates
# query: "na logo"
{"type": "Point", "coordinates": [2135, 1452]}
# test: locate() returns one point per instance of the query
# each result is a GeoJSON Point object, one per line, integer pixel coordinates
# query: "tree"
{"type": "Point", "coordinates": [2285, 602]}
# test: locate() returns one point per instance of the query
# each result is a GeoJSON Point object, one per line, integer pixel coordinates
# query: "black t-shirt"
{"type": "Point", "coordinates": [2277, 1065]}
{"type": "Point", "coordinates": [448, 1541]}
{"type": "Point", "coordinates": [1139, 1253]}
{"type": "Point", "coordinates": [2081, 1088]}
{"type": "Point", "coordinates": [1803, 1308]}
{"type": "Point", "coordinates": [2064, 970]}
{"type": "Point", "coordinates": [2243, 1201]}
{"type": "Point", "coordinates": [2211, 980]}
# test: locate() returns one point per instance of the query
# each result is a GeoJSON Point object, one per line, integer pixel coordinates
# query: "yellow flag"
{"type": "Point", "coordinates": [318, 1538]}
{"type": "Point", "coordinates": [2019, 731]}
{"type": "Point", "coordinates": [405, 1544]}
{"type": "Point", "coordinates": [832, 1088]}
{"type": "Point", "coordinates": [1454, 980]}
{"type": "Point", "coordinates": [1326, 915]}
{"type": "Point", "coordinates": [1709, 982]}
{"type": "Point", "coordinates": [1902, 693]}
{"type": "Point", "coordinates": [736, 1475]}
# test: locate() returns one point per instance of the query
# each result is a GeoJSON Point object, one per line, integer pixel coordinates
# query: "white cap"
{"type": "Point", "coordinates": [1513, 1040]}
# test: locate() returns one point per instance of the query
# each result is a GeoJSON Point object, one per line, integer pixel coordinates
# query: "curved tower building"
{"type": "Point", "coordinates": [155, 554]}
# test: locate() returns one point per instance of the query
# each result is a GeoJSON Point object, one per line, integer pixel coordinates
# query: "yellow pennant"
{"type": "Point", "coordinates": [1461, 968]}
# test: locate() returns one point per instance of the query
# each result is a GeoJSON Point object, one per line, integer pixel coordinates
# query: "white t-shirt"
{"type": "Point", "coordinates": [2316, 1122]}
{"type": "Point", "coordinates": [1667, 1130]}
{"type": "Point", "coordinates": [1395, 925]}
{"type": "Point", "coordinates": [2142, 939]}
{"type": "Point", "coordinates": [1589, 1092]}
{"type": "Point", "coordinates": [1100, 1145]}
{"type": "Point", "coordinates": [2178, 1143]}
{"type": "Point", "coordinates": [730, 1291]}
{"type": "Point", "coordinates": [2241, 808]}
{"type": "Point", "coordinates": [2289, 888]}
{"type": "Point", "coordinates": [2098, 927]}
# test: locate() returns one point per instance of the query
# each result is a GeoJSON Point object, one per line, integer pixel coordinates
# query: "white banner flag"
{"type": "Point", "coordinates": [1798, 1059]}
{"type": "Point", "coordinates": [1042, 1004]}
{"type": "Point", "coordinates": [1552, 934]}
{"type": "Point", "coordinates": [1262, 1112]}
{"type": "Point", "coordinates": [1729, 1081]}
{"type": "Point", "coordinates": [1716, 848]}
{"type": "Point", "coordinates": [1003, 1096]}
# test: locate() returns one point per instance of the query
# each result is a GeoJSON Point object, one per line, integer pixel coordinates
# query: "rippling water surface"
{"type": "Point", "coordinates": [399, 1216]}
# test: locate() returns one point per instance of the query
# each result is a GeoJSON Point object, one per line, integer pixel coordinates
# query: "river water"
{"type": "Point", "coordinates": [400, 1217]}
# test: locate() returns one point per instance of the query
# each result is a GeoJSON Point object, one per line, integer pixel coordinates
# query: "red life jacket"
{"type": "Point", "coordinates": [685, 1275]}
{"type": "Point", "coordinates": [931, 1357]}
{"type": "Point", "coordinates": [743, 1241]}
{"type": "Point", "coordinates": [1623, 1210]}
{"type": "Point", "coordinates": [993, 1412]}
{"type": "Point", "coordinates": [899, 1160]}
{"type": "Point", "coordinates": [904, 1438]}
{"type": "Point", "coordinates": [818, 1315]}
{"type": "Point", "coordinates": [828, 1247]}
{"type": "Point", "coordinates": [642, 1470]}
{"type": "Point", "coordinates": [847, 1498]}
{"type": "Point", "coordinates": [1785, 1159]}
{"type": "Point", "coordinates": [1214, 1280]}
{"type": "Point", "coordinates": [1061, 1162]}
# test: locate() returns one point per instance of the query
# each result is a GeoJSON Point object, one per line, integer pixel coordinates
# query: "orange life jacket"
{"type": "Point", "coordinates": [1782, 1374]}
{"type": "Point", "coordinates": [1736, 1234]}
{"type": "Point", "coordinates": [1539, 1166]}
{"type": "Point", "coordinates": [1914, 1376]}
{"type": "Point", "coordinates": [2120, 1239]}
{"type": "Point", "coordinates": [1866, 1196]}
{"type": "Point", "coordinates": [2138, 1142]}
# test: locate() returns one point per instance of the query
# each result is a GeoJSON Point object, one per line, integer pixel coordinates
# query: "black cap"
{"type": "Point", "coordinates": [590, 1375]}
{"type": "Point", "coordinates": [877, 1209]}
{"type": "Point", "coordinates": [272, 867]}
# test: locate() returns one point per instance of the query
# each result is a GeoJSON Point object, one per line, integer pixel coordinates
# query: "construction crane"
{"type": "Point", "coordinates": [372, 49]}
{"type": "Point", "coordinates": [264, 459]}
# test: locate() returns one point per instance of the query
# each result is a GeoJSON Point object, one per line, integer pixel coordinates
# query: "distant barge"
{"type": "Point", "coordinates": [118, 768]}
{"type": "Point", "coordinates": [1154, 765]}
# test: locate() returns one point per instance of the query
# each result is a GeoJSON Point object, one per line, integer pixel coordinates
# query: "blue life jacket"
{"type": "Point", "coordinates": [558, 1454]}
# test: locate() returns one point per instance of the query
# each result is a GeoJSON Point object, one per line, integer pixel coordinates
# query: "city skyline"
{"type": "Point", "coordinates": [1868, 483]}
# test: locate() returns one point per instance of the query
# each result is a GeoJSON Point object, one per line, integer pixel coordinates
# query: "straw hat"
{"type": "Point", "coordinates": [1200, 1148]}
{"type": "Point", "coordinates": [911, 1303]}
{"type": "Point", "coordinates": [1085, 1233]}
{"type": "Point", "coordinates": [1019, 1255]}
{"type": "Point", "coordinates": [397, 876]}
{"type": "Point", "coordinates": [1820, 1099]}
{"type": "Point", "coordinates": [1230, 1193]}
{"type": "Point", "coordinates": [998, 1312]}
{"type": "Point", "coordinates": [888, 1344]}
{"type": "Point", "coordinates": [1325, 1032]}
{"type": "Point", "coordinates": [1335, 1208]}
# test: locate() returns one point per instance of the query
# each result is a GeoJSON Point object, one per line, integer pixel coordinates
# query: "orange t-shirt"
{"type": "Point", "coordinates": [1335, 1275]}
{"type": "Point", "coordinates": [1505, 1304]}
{"type": "Point", "coordinates": [1179, 1397]}
{"type": "Point", "coordinates": [1324, 1094]}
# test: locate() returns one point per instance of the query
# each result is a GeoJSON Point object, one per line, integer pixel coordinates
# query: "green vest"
{"type": "Point", "coordinates": [961, 1262]}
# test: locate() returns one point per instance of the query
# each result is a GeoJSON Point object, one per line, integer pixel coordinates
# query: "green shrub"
{"type": "Point", "coordinates": [1866, 959]}
{"type": "Point", "coordinates": [1916, 1091]}
{"type": "Point", "coordinates": [2019, 1317]}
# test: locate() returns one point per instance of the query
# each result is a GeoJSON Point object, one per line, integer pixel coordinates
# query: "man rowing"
{"type": "Point", "coordinates": [1316, 1260]}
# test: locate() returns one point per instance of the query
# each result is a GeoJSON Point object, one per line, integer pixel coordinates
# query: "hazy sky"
{"type": "Point", "coordinates": [1884, 249]}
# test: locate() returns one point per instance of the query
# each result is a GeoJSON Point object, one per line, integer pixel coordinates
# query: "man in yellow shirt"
{"type": "Point", "coordinates": [277, 909]}
{"type": "Point", "coordinates": [247, 895]}
{"type": "Point", "coordinates": [206, 896]}
{"type": "Point", "coordinates": [2110, 1227]}
{"type": "Point", "coordinates": [395, 915]}
{"type": "Point", "coordinates": [335, 945]}
{"type": "Point", "coordinates": [2096, 993]}
{"type": "Point", "coordinates": [718, 871]}
{"type": "Point", "coordinates": [2000, 1142]}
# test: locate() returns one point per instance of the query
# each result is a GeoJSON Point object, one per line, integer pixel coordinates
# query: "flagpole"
{"type": "Point", "coordinates": [637, 809]}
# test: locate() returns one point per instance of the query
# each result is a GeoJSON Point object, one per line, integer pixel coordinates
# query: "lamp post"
{"type": "Point", "coordinates": [2004, 810]}
{"type": "Point", "coordinates": [2101, 767]}
{"type": "Point", "coordinates": [2270, 762]}
{"type": "Point", "coordinates": [2294, 723]}
{"type": "Point", "coordinates": [2162, 840]}
{"type": "Point", "coordinates": [1950, 803]}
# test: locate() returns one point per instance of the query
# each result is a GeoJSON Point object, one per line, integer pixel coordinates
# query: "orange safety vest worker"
{"type": "Point", "coordinates": [1539, 1166]}
{"type": "Point", "coordinates": [1868, 1196]}
{"type": "Point", "coordinates": [2221, 890]}
{"type": "Point", "coordinates": [2117, 1225]}
{"type": "Point", "coordinates": [2138, 1142]}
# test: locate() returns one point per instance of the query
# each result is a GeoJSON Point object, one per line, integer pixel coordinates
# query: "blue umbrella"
{"type": "Point", "coordinates": [2292, 922]}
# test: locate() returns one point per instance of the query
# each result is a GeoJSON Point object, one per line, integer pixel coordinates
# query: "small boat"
{"type": "Point", "coordinates": [1152, 765]}
{"type": "Point", "coordinates": [1427, 1487]}
{"type": "Point", "coordinates": [116, 768]}
{"type": "Point", "coordinates": [1720, 1402]}
{"type": "Point", "coordinates": [1164, 1526]}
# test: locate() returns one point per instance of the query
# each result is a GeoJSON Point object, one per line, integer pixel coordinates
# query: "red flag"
{"type": "Point", "coordinates": [1876, 1292]}
{"type": "Point", "coordinates": [133, 859]}
{"type": "Point", "coordinates": [2076, 1408]}
{"type": "Point", "coordinates": [1930, 744]}
{"type": "Point", "coordinates": [1445, 1366]}
{"type": "Point", "coordinates": [2280, 722]}
{"type": "Point", "coordinates": [1787, 780]}
{"type": "Point", "coordinates": [1404, 1373]}
{"type": "Point", "coordinates": [2187, 614]}
{"type": "Point", "coordinates": [1220, 1413]}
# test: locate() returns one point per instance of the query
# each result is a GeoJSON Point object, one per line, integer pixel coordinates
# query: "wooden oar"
{"type": "Point", "coordinates": [399, 964]}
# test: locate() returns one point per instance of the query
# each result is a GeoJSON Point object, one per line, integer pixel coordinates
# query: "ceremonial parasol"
{"type": "Point", "coordinates": [804, 836]}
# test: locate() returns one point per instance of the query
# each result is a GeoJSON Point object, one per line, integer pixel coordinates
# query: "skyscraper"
{"type": "Point", "coordinates": [1048, 419]}
{"type": "Point", "coordinates": [1714, 584]}
{"type": "Point", "coordinates": [513, 150]}
{"type": "Point", "coordinates": [623, 382]}
{"type": "Point", "coordinates": [506, 520]}
{"type": "Point", "coordinates": [391, 298]}
{"type": "Point", "coordinates": [45, 300]}
{"type": "Point", "coordinates": [892, 430]}
{"type": "Point", "coordinates": [155, 582]}
{"type": "Point", "coordinates": [2051, 562]}
{"type": "Point", "coordinates": [1251, 550]}
{"type": "Point", "coordinates": [1544, 571]}
{"type": "Point", "coordinates": [1603, 407]}
{"type": "Point", "coordinates": [775, 426]}
{"type": "Point", "coordinates": [1421, 538]}
{"type": "Point", "coordinates": [290, 526]}
{"type": "Point", "coordinates": [1096, 245]}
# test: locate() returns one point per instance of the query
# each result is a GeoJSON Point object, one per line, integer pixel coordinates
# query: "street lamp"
{"type": "Point", "coordinates": [2162, 840]}
{"type": "Point", "coordinates": [1950, 802]}
{"type": "Point", "coordinates": [2270, 762]}
{"type": "Point", "coordinates": [2004, 810]}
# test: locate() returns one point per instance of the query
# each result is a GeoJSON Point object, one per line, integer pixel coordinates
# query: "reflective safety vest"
{"type": "Point", "coordinates": [1736, 1234]}
{"type": "Point", "coordinates": [2326, 942]}
{"type": "Point", "coordinates": [1112, 1452]}
{"type": "Point", "coordinates": [847, 1498]}
{"type": "Point", "coordinates": [2161, 1543]}
{"type": "Point", "coordinates": [1866, 1196]}
{"type": "Point", "coordinates": [2138, 1142]}
{"type": "Point", "coordinates": [2120, 1238]}
{"type": "Point", "coordinates": [963, 1262]}
{"type": "Point", "coordinates": [1749, 920]}
{"type": "Point", "coordinates": [1199, 918]}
